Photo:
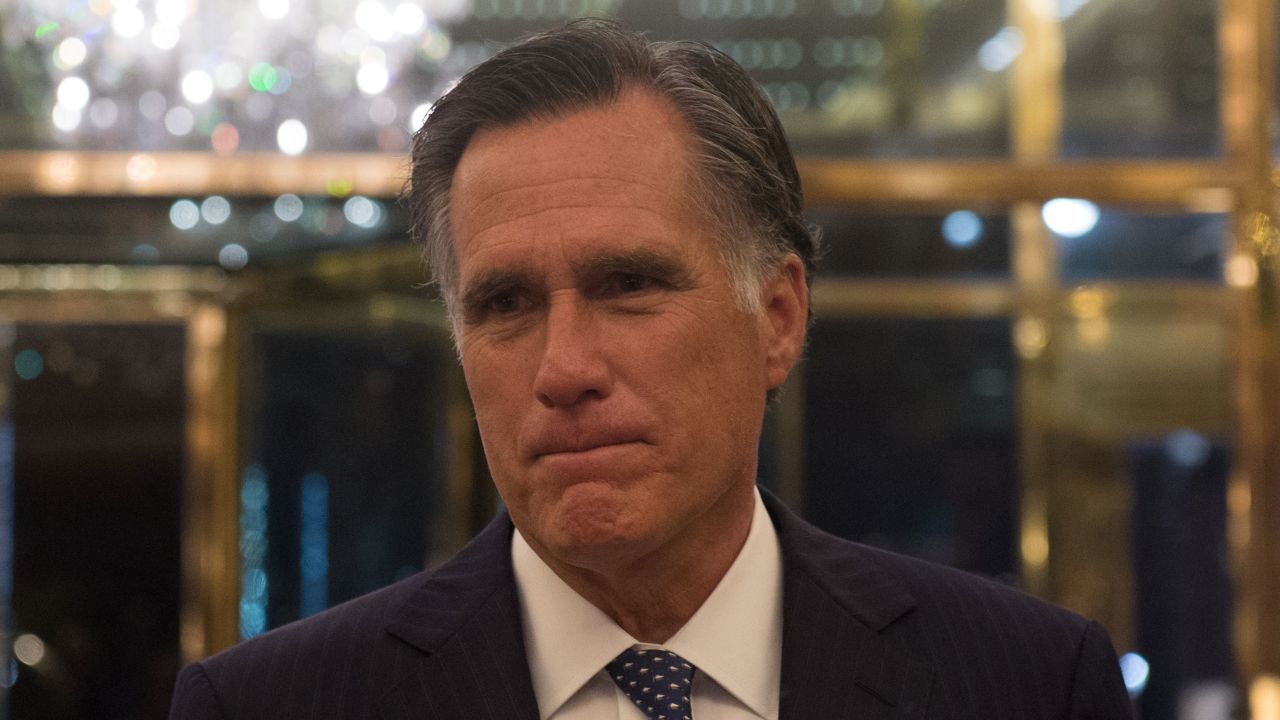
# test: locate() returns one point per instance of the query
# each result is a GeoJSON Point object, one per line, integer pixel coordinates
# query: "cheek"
{"type": "Point", "coordinates": [496, 389]}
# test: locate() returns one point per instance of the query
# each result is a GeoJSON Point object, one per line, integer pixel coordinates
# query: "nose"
{"type": "Point", "coordinates": [573, 366]}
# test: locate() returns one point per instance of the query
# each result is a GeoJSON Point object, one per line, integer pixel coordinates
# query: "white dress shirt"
{"type": "Point", "coordinates": [734, 639]}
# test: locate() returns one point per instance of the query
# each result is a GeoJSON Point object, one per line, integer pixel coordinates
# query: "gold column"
{"type": "Point", "coordinates": [210, 557]}
{"type": "Point", "coordinates": [1248, 79]}
{"type": "Point", "coordinates": [1036, 113]}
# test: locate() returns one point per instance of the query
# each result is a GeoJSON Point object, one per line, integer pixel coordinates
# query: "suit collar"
{"type": "Point", "coordinates": [840, 657]}
{"type": "Point", "coordinates": [463, 623]}
{"type": "Point", "coordinates": [846, 571]}
{"type": "Point", "coordinates": [450, 595]}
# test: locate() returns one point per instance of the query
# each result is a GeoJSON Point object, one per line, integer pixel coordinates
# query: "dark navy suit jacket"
{"type": "Point", "coordinates": [866, 635]}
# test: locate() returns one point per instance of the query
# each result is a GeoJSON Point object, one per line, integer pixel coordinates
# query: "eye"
{"type": "Point", "coordinates": [625, 283]}
{"type": "Point", "coordinates": [506, 302]}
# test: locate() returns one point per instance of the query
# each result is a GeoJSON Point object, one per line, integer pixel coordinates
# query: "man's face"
{"type": "Point", "coordinates": [618, 388]}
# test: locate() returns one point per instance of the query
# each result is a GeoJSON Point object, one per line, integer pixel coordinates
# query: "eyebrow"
{"type": "Point", "coordinates": [652, 264]}
{"type": "Point", "coordinates": [490, 282]}
{"type": "Point", "coordinates": [638, 262]}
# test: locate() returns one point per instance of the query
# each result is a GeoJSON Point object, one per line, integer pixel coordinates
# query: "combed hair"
{"type": "Point", "coordinates": [743, 174]}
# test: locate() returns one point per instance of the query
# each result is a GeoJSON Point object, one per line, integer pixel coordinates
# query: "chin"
{"type": "Point", "coordinates": [593, 531]}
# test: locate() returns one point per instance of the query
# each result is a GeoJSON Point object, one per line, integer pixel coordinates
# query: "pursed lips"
{"type": "Point", "coordinates": [560, 441]}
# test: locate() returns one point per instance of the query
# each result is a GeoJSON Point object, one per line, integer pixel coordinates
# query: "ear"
{"type": "Point", "coordinates": [784, 319]}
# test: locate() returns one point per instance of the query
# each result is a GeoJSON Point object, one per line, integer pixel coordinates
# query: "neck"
{"type": "Point", "coordinates": [653, 595]}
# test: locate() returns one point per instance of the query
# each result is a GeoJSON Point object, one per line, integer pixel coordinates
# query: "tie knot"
{"type": "Point", "coordinates": [657, 681]}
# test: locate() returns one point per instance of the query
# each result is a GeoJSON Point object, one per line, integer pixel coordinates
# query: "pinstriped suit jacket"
{"type": "Point", "coordinates": [866, 635]}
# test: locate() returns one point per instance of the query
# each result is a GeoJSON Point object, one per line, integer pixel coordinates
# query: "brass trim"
{"type": "Point", "coordinates": [35, 172]}
{"type": "Point", "coordinates": [210, 536]}
{"type": "Point", "coordinates": [1035, 271]}
{"type": "Point", "coordinates": [43, 279]}
{"type": "Point", "coordinates": [934, 298]}
{"type": "Point", "coordinates": [865, 297]}
{"type": "Point", "coordinates": [1191, 184]}
{"type": "Point", "coordinates": [1248, 55]}
{"type": "Point", "coordinates": [1199, 186]}
{"type": "Point", "coordinates": [1035, 132]}
{"type": "Point", "coordinates": [1037, 88]}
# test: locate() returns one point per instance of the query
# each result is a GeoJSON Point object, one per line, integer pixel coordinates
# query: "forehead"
{"type": "Point", "coordinates": [623, 164]}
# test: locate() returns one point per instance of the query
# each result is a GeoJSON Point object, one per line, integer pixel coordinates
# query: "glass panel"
{"type": "Point", "coordinates": [348, 459]}
{"type": "Point", "coordinates": [1140, 78]}
{"type": "Point", "coordinates": [960, 244]}
{"type": "Point", "coordinates": [98, 423]}
{"type": "Point", "coordinates": [232, 232]}
{"type": "Point", "coordinates": [1137, 433]}
{"type": "Point", "coordinates": [1098, 244]}
{"type": "Point", "coordinates": [864, 77]}
{"type": "Point", "coordinates": [910, 438]}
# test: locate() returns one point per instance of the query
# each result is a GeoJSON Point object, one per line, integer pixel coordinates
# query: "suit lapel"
{"type": "Point", "coordinates": [463, 655]}
{"type": "Point", "coordinates": [836, 661]}
{"type": "Point", "coordinates": [463, 647]}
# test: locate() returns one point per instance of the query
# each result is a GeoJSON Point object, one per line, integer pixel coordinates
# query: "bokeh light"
{"type": "Point", "coordinates": [1136, 672]}
{"type": "Point", "coordinates": [28, 649]}
{"type": "Point", "coordinates": [419, 116]}
{"type": "Point", "coordinates": [227, 76]}
{"type": "Point", "coordinates": [254, 585]}
{"type": "Point", "coordinates": [409, 18]}
{"type": "Point", "coordinates": [197, 87]}
{"type": "Point", "coordinates": [73, 92]}
{"type": "Point", "coordinates": [225, 138]}
{"type": "Point", "coordinates": [147, 57]}
{"type": "Point", "coordinates": [184, 214]}
{"type": "Point", "coordinates": [179, 120]}
{"type": "Point", "coordinates": [1001, 50]}
{"type": "Point", "coordinates": [1070, 217]}
{"type": "Point", "coordinates": [288, 207]}
{"type": "Point", "coordinates": [373, 17]}
{"type": "Point", "coordinates": [372, 78]}
{"type": "Point", "coordinates": [233, 256]}
{"type": "Point", "coordinates": [962, 229]}
{"type": "Point", "coordinates": [140, 168]}
{"type": "Point", "coordinates": [262, 77]}
{"type": "Point", "coordinates": [362, 212]}
{"type": "Point", "coordinates": [28, 364]}
{"type": "Point", "coordinates": [103, 112]}
{"type": "Point", "coordinates": [215, 209]}
{"type": "Point", "coordinates": [65, 118]}
{"type": "Point", "coordinates": [283, 81]}
{"type": "Point", "coordinates": [152, 104]}
{"type": "Point", "coordinates": [291, 137]}
{"type": "Point", "coordinates": [145, 253]}
{"type": "Point", "coordinates": [70, 53]}
{"type": "Point", "coordinates": [128, 21]}
{"type": "Point", "coordinates": [273, 9]}
{"type": "Point", "coordinates": [1187, 448]}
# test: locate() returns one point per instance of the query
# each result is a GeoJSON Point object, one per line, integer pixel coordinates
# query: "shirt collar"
{"type": "Point", "coordinates": [568, 640]}
{"type": "Point", "coordinates": [736, 636]}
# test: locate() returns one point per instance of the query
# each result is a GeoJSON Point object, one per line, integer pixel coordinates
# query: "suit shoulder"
{"type": "Point", "coordinates": [345, 642]}
{"type": "Point", "coordinates": [939, 587]}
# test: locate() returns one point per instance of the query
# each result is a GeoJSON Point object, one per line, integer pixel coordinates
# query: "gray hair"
{"type": "Point", "coordinates": [743, 174]}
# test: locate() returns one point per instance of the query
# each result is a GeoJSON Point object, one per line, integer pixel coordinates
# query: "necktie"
{"type": "Point", "coordinates": [657, 681]}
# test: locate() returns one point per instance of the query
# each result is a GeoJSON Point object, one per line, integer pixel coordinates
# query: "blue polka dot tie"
{"type": "Point", "coordinates": [657, 681]}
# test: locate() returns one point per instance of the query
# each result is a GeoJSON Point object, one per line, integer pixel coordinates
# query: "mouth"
{"type": "Point", "coordinates": [584, 449]}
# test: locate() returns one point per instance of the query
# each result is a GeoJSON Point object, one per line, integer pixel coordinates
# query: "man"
{"type": "Point", "coordinates": [616, 228]}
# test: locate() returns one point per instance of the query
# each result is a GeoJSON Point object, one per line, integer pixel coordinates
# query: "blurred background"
{"type": "Point", "coordinates": [1047, 351]}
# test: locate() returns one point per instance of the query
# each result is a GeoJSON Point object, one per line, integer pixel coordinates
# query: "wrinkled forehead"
{"type": "Point", "coordinates": [639, 139]}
